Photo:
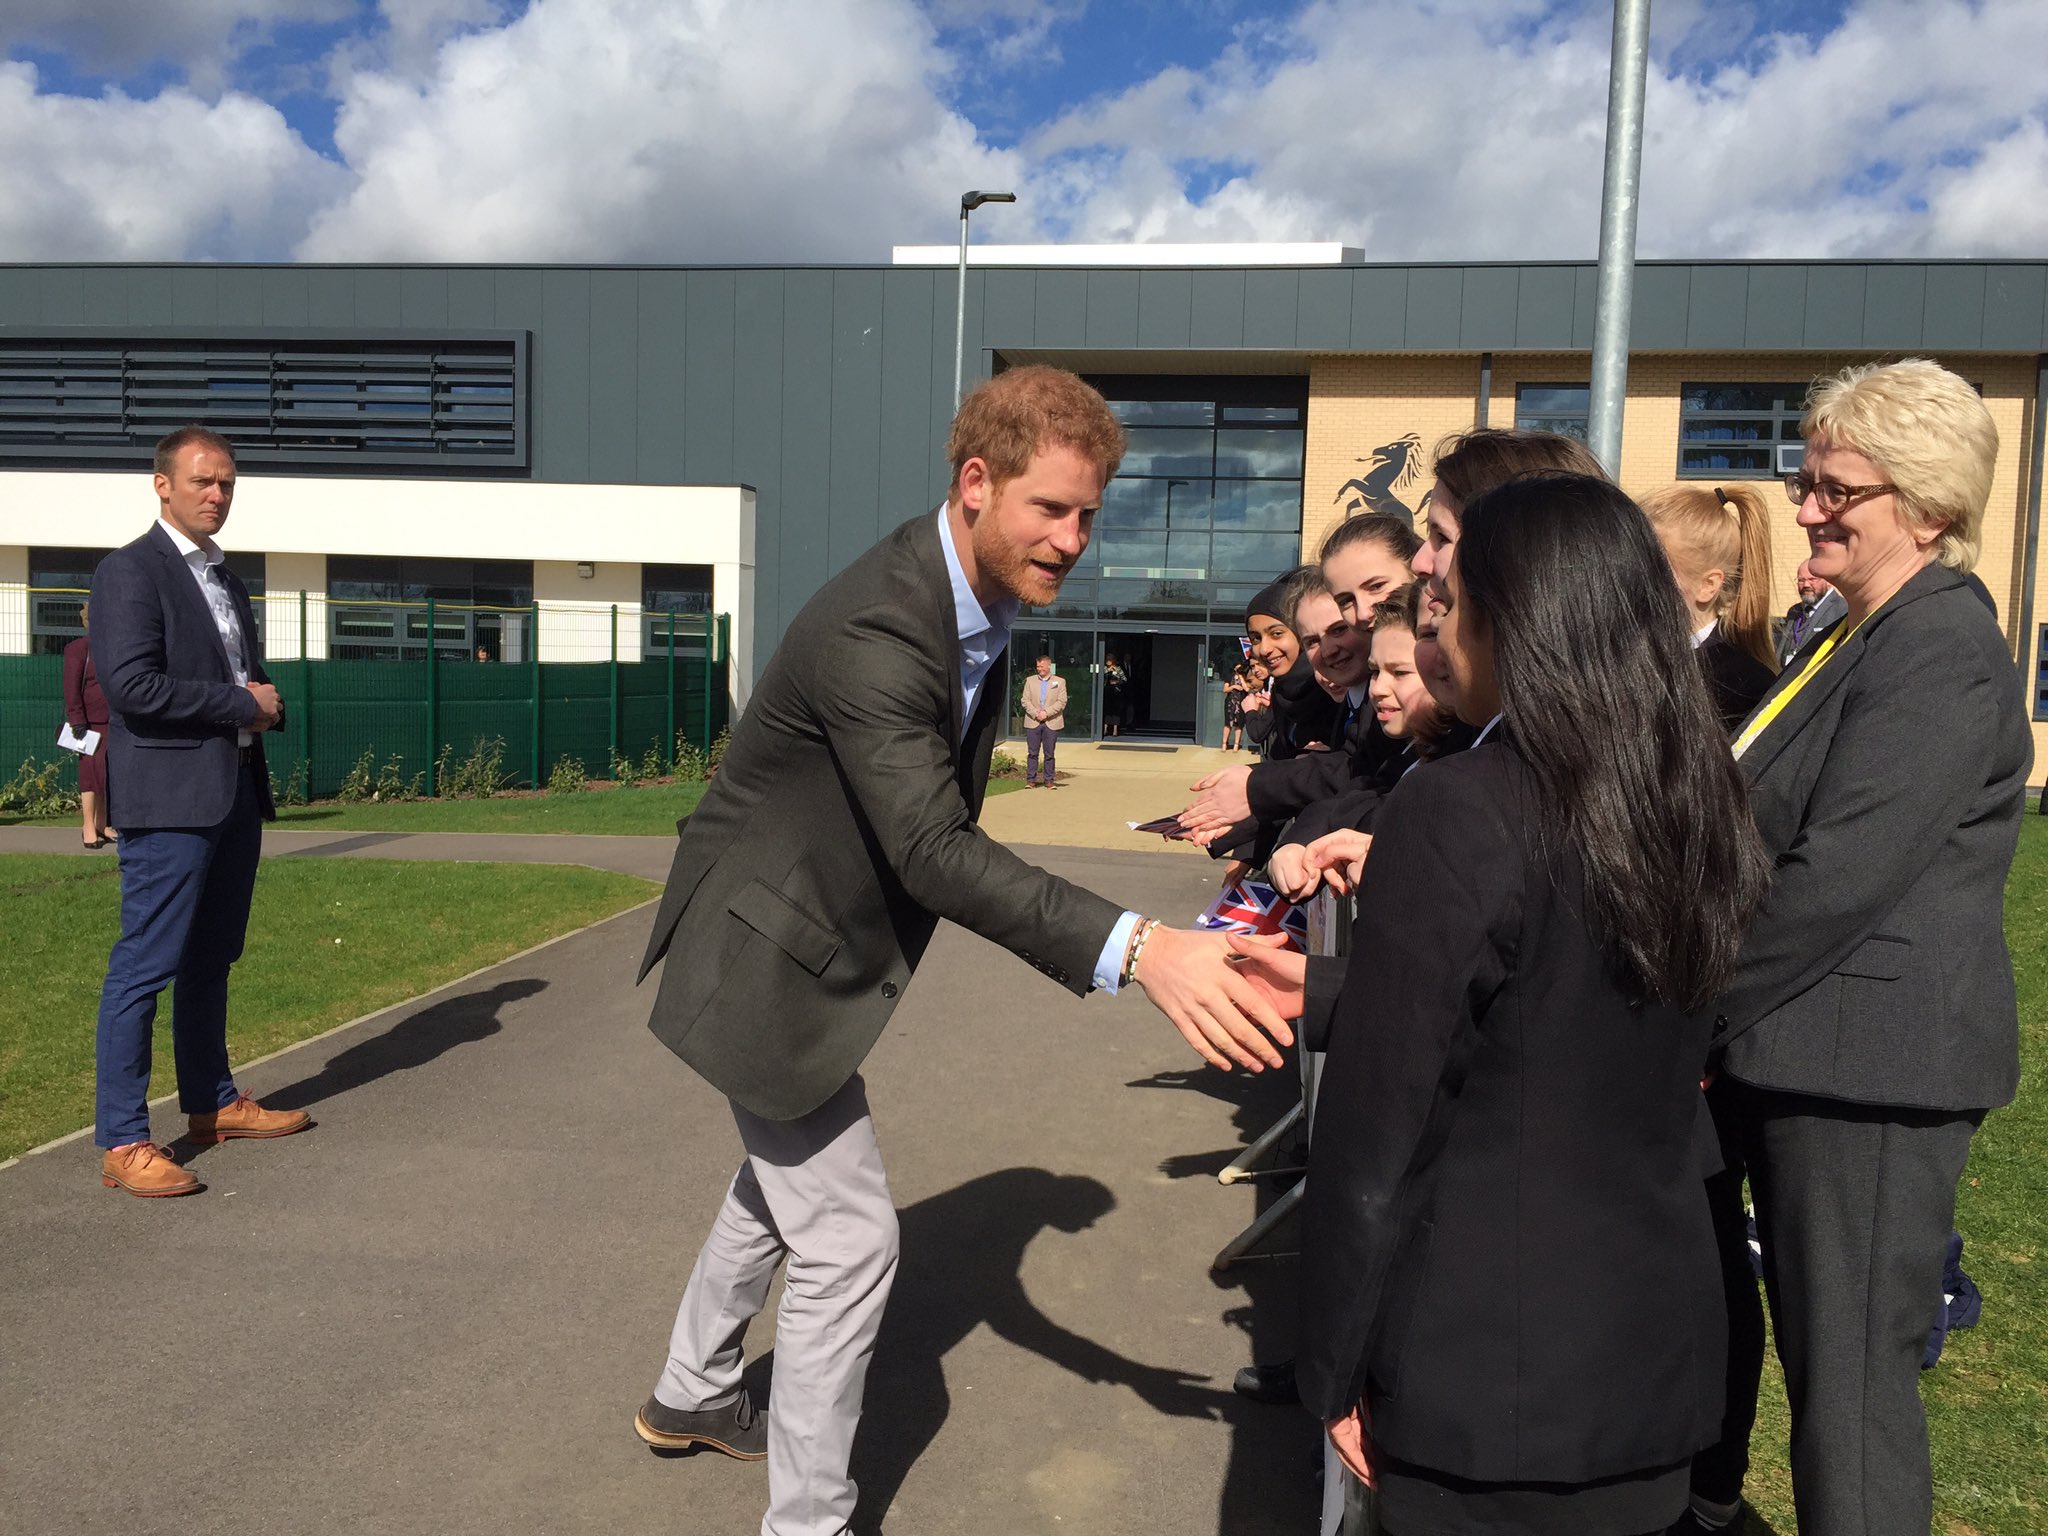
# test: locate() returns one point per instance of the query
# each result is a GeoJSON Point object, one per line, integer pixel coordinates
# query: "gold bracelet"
{"type": "Point", "coordinates": [1144, 932]}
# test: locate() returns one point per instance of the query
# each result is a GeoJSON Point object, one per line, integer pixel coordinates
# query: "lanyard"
{"type": "Point", "coordinates": [1761, 720]}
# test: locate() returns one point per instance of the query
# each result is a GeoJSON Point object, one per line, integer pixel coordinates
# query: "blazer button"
{"type": "Point", "coordinates": [888, 989]}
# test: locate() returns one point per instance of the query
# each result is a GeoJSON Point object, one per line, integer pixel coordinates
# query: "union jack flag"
{"type": "Point", "coordinates": [1251, 906]}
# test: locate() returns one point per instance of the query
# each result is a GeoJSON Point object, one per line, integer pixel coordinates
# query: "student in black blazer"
{"type": "Point", "coordinates": [1719, 545]}
{"type": "Point", "coordinates": [1872, 1022]}
{"type": "Point", "coordinates": [1512, 1318]}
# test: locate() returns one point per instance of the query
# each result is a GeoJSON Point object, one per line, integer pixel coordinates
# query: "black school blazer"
{"type": "Point", "coordinates": [1505, 1250]}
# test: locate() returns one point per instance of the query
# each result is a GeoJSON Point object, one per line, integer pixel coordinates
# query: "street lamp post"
{"type": "Point", "coordinates": [969, 201]}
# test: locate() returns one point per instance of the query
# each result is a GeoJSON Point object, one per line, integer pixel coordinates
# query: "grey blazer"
{"type": "Point", "coordinates": [173, 704]}
{"type": "Point", "coordinates": [839, 830]}
{"type": "Point", "coordinates": [1890, 793]}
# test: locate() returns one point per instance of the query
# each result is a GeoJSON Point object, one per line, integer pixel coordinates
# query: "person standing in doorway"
{"type": "Point", "coordinates": [1045, 707]}
{"type": "Point", "coordinates": [174, 643]}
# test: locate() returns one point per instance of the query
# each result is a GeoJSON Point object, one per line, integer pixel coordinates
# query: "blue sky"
{"type": "Point", "coordinates": [829, 129]}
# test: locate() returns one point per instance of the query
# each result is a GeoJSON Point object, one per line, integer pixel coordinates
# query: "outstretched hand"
{"type": "Point", "coordinates": [1219, 802]}
{"type": "Point", "coordinates": [1292, 873]}
{"type": "Point", "coordinates": [1189, 976]}
{"type": "Point", "coordinates": [1340, 857]}
{"type": "Point", "coordinates": [1280, 973]}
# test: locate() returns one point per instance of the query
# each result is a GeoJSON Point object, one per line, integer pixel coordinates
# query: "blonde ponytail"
{"type": "Point", "coordinates": [1727, 530]}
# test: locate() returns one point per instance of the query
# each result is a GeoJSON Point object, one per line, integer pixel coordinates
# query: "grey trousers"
{"type": "Point", "coordinates": [811, 1191]}
{"type": "Point", "coordinates": [1854, 1205]}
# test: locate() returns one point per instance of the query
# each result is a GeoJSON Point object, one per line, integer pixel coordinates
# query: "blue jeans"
{"type": "Point", "coordinates": [184, 910]}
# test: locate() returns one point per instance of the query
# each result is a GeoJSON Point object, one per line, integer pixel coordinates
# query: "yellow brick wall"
{"type": "Point", "coordinates": [1362, 404]}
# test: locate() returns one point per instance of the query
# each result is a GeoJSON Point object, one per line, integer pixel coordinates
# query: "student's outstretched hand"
{"type": "Point", "coordinates": [1340, 856]}
{"type": "Point", "coordinates": [1219, 801]}
{"type": "Point", "coordinates": [1292, 872]}
{"type": "Point", "coordinates": [1189, 976]}
{"type": "Point", "coordinates": [1280, 973]}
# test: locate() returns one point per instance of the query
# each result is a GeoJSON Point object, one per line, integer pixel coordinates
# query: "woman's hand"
{"type": "Point", "coordinates": [1220, 801]}
{"type": "Point", "coordinates": [1341, 858]}
{"type": "Point", "coordinates": [1352, 1439]}
{"type": "Point", "coordinates": [1292, 873]}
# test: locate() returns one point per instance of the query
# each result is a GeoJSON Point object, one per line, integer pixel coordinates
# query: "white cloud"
{"type": "Point", "coordinates": [114, 178]}
{"type": "Point", "coordinates": [819, 130]}
{"type": "Point", "coordinates": [1469, 131]}
{"type": "Point", "coordinates": [681, 130]}
{"type": "Point", "coordinates": [117, 38]}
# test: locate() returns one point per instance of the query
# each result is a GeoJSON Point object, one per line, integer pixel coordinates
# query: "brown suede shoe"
{"type": "Point", "coordinates": [143, 1168]}
{"type": "Point", "coordinates": [245, 1117]}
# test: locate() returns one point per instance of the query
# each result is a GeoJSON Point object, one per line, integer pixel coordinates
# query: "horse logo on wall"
{"type": "Point", "coordinates": [1393, 466]}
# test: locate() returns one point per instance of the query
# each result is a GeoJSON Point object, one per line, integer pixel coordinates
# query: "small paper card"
{"type": "Point", "coordinates": [71, 741]}
{"type": "Point", "coordinates": [1165, 826]}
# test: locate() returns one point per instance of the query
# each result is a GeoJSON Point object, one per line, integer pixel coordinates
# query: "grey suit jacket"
{"type": "Point", "coordinates": [1890, 793]}
{"type": "Point", "coordinates": [174, 706]}
{"type": "Point", "coordinates": [840, 829]}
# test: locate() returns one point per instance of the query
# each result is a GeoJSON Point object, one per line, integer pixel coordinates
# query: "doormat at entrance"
{"type": "Point", "coordinates": [1131, 746]}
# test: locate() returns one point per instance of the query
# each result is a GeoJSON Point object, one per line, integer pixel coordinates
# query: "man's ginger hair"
{"type": "Point", "coordinates": [1007, 421]}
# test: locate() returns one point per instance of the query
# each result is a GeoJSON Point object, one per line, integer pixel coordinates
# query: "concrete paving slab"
{"type": "Point", "coordinates": [1102, 789]}
{"type": "Point", "coordinates": [437, 1311]}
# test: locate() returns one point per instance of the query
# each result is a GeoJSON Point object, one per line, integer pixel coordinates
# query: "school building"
{"type": "Point", "coordinates": [572, 464]}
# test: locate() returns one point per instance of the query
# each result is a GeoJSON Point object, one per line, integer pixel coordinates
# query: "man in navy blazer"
{"type": "Point", "coordinates": [174, 643]}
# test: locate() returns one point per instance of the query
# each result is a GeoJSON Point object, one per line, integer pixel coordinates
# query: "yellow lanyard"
{"type": "Point", "coordinates": [1760, 721]}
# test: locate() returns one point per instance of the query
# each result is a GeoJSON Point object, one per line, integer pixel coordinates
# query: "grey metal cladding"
{"type": "Point", "coordinates": [1895, 306]}
{"type": "Point", "coordinates": [1773, 305]}
{"type": "Point", "coordinates": [423, 298]}
{"type": "Point", "coordinates": [659, 377]}
{"type": "Point", "coordinates": [1112, 309]}
{"type": "Point", "coordinates": [1834, 305]}
{"type": "Point", "coordinates": [2016, 305]}
{"type": "Point", "coordinates": [853, 497]}
{"type": "Point", "coordinates": [1662, 308]}
{"type": "Point", "coordinates": [1436, 307]}
{"type": "Point", "coordinates": [1166, 303]}
{"type": "Point", "coordinates": [561, 377]}
{"type": "Point", "coordinates": [1009, 296]}
{"type": "Point", "coordinates": [1272, 304]}
{"type": "Point", "coordinates": [1953, 316]}
{"type": "Point", "coordinates": [710, 345]}
{"type": "Point", "coordinates": [614, 376]}
{"type": "Point", "coordinates": [1717, 307]}
{"type": "Point", "coordinates": [1324, 321]}
{"type": "Point", "coordinates": [1060, 316]}
{"type": "Point", "coordinates": [1217, 317]}
{"type": "Point", "coordinates": [1379, 309]}
{"type": "Point", "coordinates": [1544, 299]}
{"type": "Point", "coordinates": [801, 547]}
{"type": "Point", "coordinates": [910, 382]}
{"type": "Point", "coordinates": [1488, 308]}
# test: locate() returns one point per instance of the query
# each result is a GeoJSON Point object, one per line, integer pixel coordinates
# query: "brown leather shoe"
{"type": "Point", "coordinates": [245, 1117]}
{"type": "Point", "coordinates": [143, 1168]}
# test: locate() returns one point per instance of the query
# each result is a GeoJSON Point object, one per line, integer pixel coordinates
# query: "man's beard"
{"type": "Point", "coordinates": [1016, 573]}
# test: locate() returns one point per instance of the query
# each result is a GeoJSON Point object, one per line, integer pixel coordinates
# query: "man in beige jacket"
{"type": "Point", "coordinates": [1045, 715]}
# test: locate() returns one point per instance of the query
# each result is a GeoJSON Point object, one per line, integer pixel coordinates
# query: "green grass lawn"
{"type": "Point", "coordinates": [329, 939]}
{"type": "Point", "coordinates": [1987, 1401]}
{"type": "Point", "coordinates": [644, 810]}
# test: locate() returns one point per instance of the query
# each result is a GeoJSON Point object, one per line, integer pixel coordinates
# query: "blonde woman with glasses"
{"type": "Point", "coordinates": [1872, 1021]}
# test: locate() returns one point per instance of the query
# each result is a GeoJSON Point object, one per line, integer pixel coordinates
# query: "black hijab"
{"type": "Point", "coordinates": [1302, 711]}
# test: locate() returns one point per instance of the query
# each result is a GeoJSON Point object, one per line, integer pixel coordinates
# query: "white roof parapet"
{"type": "Point", "coordinates": [1301, 253]}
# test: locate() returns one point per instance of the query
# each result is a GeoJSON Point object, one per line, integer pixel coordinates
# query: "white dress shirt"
{"type": "Point", "coordinates": [204, 562]}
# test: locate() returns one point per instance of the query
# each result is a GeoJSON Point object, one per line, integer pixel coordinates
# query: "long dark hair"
{"type": "Point", "coordinates": [1604, 699]}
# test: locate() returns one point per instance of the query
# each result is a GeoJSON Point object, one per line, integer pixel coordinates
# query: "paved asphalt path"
{"type": "Point", "coordinates": [437, 1311]}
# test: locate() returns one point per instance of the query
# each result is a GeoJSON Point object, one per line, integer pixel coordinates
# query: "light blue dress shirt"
{"type": "Point", "coordinates": [984, 634]}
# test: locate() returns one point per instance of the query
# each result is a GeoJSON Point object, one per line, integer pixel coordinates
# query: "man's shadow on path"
{"type": "Point", "coordinates": [414, 1040]}
{"type": "Point", "coordinates": [963, 1254]}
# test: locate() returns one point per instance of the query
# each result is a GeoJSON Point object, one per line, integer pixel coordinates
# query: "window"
{"type": "Point", "coordinates": [1734, 429]}
{"type": "Point", "coordinates": [1209, 491]}
{"type": "Point", "coordinates": [377, 607]}
{"type": "Point", "coordinates": [59, 579]}
{"type": "Point", "coordinates": [674, 598]}
{"type": "Point", "coordinates": [2041, 678]}
{"type": "Point", "coordinates": [1560, 408]}
{"type": "Point", "coordinates": [363, 399]}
